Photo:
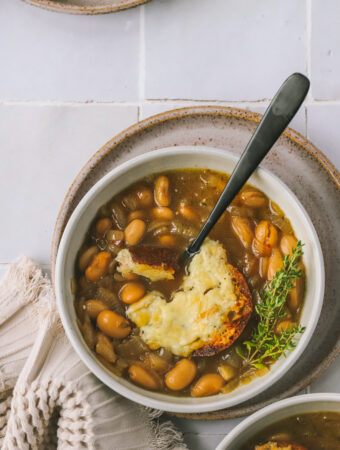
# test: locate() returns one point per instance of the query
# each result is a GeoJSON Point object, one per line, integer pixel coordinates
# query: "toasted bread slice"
{"type": "Point", "coordinates": [282, 445]}
{"type": "Point", "coordinates": [155, 263]}
{"type": "Point", "coordinates": [205, 315]}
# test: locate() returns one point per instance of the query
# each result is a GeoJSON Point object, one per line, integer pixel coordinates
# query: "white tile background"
{"type": "Point", "coordinates": [69, 83]}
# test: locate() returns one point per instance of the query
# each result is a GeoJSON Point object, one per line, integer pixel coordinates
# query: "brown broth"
{"type": "Point", "coordinates": [199, 188]}
{"type": "Point", "coordinates": [315, 431]}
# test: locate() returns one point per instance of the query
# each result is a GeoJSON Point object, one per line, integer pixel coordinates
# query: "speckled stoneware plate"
{"type": "Point", "coordinates": [86, 6]}
{"type": "Point", "coordinates": [299, 164]}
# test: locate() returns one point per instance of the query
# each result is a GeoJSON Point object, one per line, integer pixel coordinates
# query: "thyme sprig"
{"type": "Point", "coordinates": [265, 344]}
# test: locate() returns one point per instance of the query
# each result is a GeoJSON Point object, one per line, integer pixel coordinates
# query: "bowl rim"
{"type": "Point", "coordinates": [95, 367]}
{"type": "Point", "coordinates": [276, 406]}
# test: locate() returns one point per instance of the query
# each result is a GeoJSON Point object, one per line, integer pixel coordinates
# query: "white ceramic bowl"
{"type": "Point", "coordinates": [278, 411]}
{"type": "Point", "coordinates": [174, 158]}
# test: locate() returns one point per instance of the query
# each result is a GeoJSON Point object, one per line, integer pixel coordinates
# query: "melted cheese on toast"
{"type": "Point", "coordinates": [198, 312]}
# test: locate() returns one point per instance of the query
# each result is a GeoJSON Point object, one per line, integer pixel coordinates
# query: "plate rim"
{"type": "Point", "coordinates": [180, 113]}
{"type": "Point", "coordinates": [74, 9]}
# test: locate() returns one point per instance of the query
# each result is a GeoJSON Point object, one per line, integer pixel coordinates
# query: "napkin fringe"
{"type": "Point", "coordinates": [164, 435]}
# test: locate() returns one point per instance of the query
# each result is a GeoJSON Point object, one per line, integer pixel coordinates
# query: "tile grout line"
{"type": "Point", "coordinates": [304, 110]}
{"type": "Point", "coordinates": [142, 64]}
{"type": "Point", "coordinates": [308, 63]}
{"type": "Point", "coordinates": [188, 102]}
{"type": "Point", "coordinates": [309, 44]}
{"type": "Point", "coordinates": [88, 103]}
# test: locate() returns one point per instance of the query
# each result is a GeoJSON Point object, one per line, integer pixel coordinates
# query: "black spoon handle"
{"type": "Point", "coordinates": [279, 113]}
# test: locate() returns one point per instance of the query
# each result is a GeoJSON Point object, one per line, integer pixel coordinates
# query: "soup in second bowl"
{"type": "Point", "coordinates": [196, 330]}
{"type": "Point", "coordinates": [310, 431]}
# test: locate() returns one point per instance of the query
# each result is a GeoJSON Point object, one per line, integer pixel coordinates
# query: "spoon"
{"type": "Point", "coordinates": [279, 113]}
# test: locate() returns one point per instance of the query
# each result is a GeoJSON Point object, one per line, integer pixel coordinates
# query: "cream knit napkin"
{"type": "Point", "coordinates": [48, 398]}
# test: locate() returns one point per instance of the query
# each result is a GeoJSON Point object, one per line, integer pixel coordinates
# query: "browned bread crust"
{"type": "Point", "coordinates": [236, 321]}
{"type": "Point", "coordinates": [281, 444]}
{"type": "Point", "coordinates": [156, 257]}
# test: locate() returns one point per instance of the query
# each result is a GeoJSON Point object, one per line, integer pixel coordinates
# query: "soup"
{"type": "Point", "coordinates": [311, 431]}
{"type": "Point", "coordinates": [137, 306]}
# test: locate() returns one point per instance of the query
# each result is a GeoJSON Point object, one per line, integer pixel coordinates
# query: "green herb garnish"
{"type": "Point", "coordinates": [265, 345]}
